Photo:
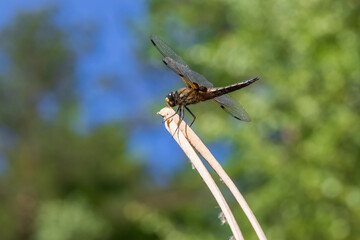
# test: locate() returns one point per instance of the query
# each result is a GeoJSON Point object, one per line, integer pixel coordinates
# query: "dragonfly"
{"type": "Point", "coordinates": [198, 88]}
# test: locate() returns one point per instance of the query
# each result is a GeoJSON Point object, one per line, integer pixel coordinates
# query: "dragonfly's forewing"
{"type": "Point", "coordinates": [232, 107]}
{"type": "Point", "coordinates": [177, 64]}
{"type": "Point", "coordinates": [165, 50]}
{"type": "Point", "coordinates": [186, 73]}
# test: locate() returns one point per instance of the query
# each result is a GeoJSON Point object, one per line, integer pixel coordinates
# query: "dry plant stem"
{"type": "Point", "coordinates": [206, 154]}
{"type": "Point", "coordinates": [200, 167]}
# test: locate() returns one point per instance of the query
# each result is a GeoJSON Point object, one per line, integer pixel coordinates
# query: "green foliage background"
{"type": "Point", "coordinates": [300, 156]}
{"type": "Point", "coordinates": [297, 163]}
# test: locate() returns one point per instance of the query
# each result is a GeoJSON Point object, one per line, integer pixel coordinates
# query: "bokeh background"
{"type": "Point", "coordinates": [83, 154]}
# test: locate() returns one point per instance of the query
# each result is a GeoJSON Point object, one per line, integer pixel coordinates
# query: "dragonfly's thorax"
{"type": "Point", "coordinates": [187, 96]}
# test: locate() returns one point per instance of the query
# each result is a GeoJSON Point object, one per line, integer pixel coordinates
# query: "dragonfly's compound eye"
{"type": "Point", "coordinates": [170, 100]}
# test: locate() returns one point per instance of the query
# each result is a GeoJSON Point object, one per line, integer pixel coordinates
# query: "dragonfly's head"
{"type": "Point", "coordinates": [170, 99]}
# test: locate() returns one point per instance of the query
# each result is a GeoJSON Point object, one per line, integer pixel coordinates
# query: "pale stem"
{"type": "Point", "coordinates": [191, 138]}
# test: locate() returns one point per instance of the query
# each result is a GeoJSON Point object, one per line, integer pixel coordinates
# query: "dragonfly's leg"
{"type": "Point", "coordinates": [191, 115]}
{"type": "Point", "coordinates": [177, 110]}
{"type": "Point", "coordinates": [181, 114]}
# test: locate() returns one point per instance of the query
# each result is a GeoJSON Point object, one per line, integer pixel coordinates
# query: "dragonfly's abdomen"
{"type": "Point", "coordinates": [216, 92]}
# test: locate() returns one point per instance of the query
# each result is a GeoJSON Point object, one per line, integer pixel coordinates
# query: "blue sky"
{"type": "Point", "coordinates": [113, 54]}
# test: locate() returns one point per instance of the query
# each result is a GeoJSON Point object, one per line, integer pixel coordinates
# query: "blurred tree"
{"type": "Point", "coordinates": [58, 184]}
{"type": "Point", "coordinates": [299, 157]}
{"type": "Point", "coordinates": [38, 63]}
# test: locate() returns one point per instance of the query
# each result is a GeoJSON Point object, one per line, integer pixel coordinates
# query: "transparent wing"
{"type": "Point", "coordinates": [232, 107]}
{"type": "Point", "coordinates": [187, 75]}
{"type": "Point", "coordinates": [165, 50]}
